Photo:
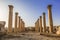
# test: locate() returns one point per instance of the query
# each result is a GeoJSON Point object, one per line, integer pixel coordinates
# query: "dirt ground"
{"type": "Point", "coordinates": [29, 36]}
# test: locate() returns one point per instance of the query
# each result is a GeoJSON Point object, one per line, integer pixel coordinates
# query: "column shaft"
{"type": "Point", "coordinates": [16, 21]}
{"type": "Point", "coordinates": [35, 26]}
{"type": "Point", "coordinates": [41, 24]}
{"type": "Point", "coordinates": [23, 26]}
{"type": "Point", "coordinates": [19, 25]}
{"type": "Point", "coordinates": [44, 22]}
{"type": "Point", "coordinates": [10, 18]}
{"type": "Point", "coordinates": [50, 19]}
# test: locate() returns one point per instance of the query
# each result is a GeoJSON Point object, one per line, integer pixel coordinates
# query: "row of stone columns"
{"type": "Point", "coordinates": [19, 23]}
{"type": "Point", "coordinates": [50, 21]}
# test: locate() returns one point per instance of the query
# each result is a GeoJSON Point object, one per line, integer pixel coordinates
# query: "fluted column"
{"type": "Point", "coordinates": [50, 19]}
{"type": "Point", "coordinates": [44, 23]}
{"type": "Point", "coordinates": [16, 20]}
{"type": "Point", "coordinates": [10, 18]}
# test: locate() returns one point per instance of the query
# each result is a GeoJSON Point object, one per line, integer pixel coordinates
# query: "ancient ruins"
{"type": "Point", "coordinates": [40, 24]}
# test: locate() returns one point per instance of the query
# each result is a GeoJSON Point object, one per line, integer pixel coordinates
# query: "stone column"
{"type": "Point", "coordinates": [38, 25]}
{"type": "Point", "coordinates": [50, 19]}
{"type": "Point", "coordinates": [16, 20]}
{"type": "Point", "coordinates": [19, 24]}
{"type": "Point", "coordinates": [44, 22]}
{"type": "Point", "coordinates": [23, 26]}
{"type": "Point", "coordinates": [35, 27]}
{"type": "Point", "coordinates": [10, 18]}
{"type": "Point", "coordinates": [41, 24]}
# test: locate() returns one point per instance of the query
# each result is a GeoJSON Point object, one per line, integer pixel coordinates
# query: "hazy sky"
{"type": "Point", "coordinates": [30, 10]}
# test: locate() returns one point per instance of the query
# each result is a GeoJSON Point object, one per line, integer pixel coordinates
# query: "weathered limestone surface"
{"type": "Point", "coordinates": [44, 22]}
{"type": "Point", "coordinates": [23, 25]}
{"type": "Point", "coordinates": [50, 19]}
{"type": "Point", "coordinates": [16, 21]}
{"type": "Point", "coordinates": [37, 26]}
{"type": "Point", "coordinates": [19, 24]}
{"type": "Point", "coordinates": [10, 18]}
{"type": "Point", "coordinates": [40, 24]}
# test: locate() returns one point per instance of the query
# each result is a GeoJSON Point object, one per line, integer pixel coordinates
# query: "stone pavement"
{"type": "Point", "coordinates": [29, 36]}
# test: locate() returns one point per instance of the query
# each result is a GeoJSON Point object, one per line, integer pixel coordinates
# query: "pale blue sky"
{"type": "Point", "coordinates": [30, 10]}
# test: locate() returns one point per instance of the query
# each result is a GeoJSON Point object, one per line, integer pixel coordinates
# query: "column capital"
{"type": "Point", "coordinates": [49, 6]}
{"type": "Point", "coordinates": [16, 13]}
{"type": "Point", "coordinates": [21, 19]}
{"type": "Point", "coordinates": [10, 6]}
{"type": "Point", "coordinates": [43, 13]}
{"type": "Point", "coordinates": [40, 16]}
{"type": "Point", "coordinates": [38, 19]}
{"type": "Point", "coordinates": [19, 16]}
